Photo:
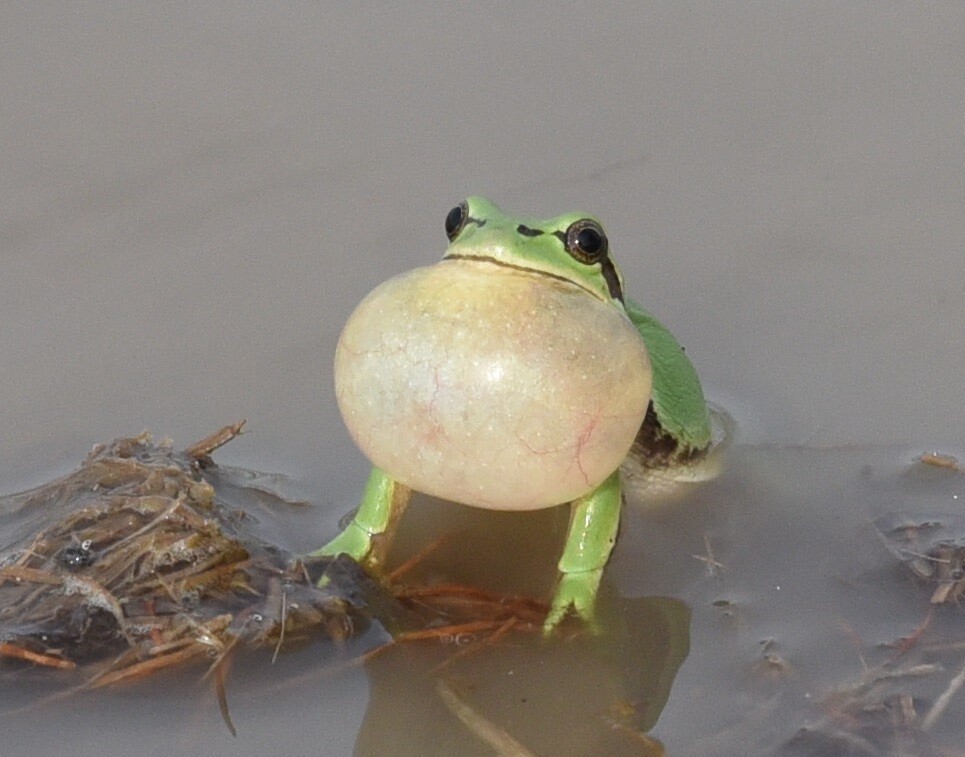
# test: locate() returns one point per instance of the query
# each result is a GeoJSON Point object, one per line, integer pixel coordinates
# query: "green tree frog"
{"type": "Point", "coordinates": [513, 375]}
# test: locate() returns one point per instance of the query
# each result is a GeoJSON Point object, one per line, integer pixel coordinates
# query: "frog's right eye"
{"type": "Point", "coordinates": [586, 241]}
{"type": "Point", "coordinates": [456, 220]}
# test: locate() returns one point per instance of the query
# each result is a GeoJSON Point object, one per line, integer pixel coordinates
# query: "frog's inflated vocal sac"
{"type": "Point", "coordinates": [513, 375]}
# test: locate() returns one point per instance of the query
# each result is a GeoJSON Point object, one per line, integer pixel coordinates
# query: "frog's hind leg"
{"type": "Point", "coordinates": [594, 524]}
{"type": "Point", "coordinates": [368, 537]}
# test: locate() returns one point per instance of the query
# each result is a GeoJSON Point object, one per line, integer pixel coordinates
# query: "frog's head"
{"type": "Point", "coordinates": [571, 247]}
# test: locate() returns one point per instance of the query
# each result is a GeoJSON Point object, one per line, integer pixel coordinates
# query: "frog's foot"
{"type": "Point", "coordinates": [354, 541]}
{"type": "Point", "coordinates": [576, 592]}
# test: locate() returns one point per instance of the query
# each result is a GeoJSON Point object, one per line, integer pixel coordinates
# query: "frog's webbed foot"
{"type": "Point", "coordinates": [576, 593]}
{"type": "Point", "coordinates": [368, 537]}
{"type": "Point", "coordinates": [354, 541]}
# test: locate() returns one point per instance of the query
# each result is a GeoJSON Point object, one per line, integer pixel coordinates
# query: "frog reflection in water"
{"type": "Point", "coordinates": [513, 375]}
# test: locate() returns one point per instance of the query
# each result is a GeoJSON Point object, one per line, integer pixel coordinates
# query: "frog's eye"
{"type": "Point", "coordinates": [456, 220]}
{"type": "Point", "coordinates": [586, 241]}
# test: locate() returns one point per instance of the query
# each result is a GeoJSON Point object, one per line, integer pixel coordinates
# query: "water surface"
{"type": "Point", "coordinates": [730, 617]}
{"type": "Point", "coordinates": [194, 200]}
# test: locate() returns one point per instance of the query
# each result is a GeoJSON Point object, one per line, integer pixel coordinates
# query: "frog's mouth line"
{"type": "Point", "coordinates": [527, 269]}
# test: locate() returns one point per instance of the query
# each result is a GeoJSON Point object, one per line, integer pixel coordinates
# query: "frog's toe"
{"type": "Point", "coordinates": [576, 593]}
{"type": "Point", "coordinates": [354, 541]}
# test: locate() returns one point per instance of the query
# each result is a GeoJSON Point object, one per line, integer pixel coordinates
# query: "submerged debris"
{"type": "Point", "coordinates": [139, 564]}
{"type": "Point", "coordinates": [940, 460]}
{"type": "Point", "coordinates": [893, 706]}
{"type": "Point", "coordinates": [933, 548]}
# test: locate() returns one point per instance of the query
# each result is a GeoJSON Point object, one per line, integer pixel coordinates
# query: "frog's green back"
{"type": "Point", "coordinates": [678, 399]}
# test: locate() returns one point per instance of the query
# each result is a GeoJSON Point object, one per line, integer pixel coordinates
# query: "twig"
{"type": "Point", "coordinates": [488, 641]}
{"type": "Point", "coordinates": [906, 643]}
{"type": "Point", "coordinates": [51, 661]}
{"type": "Point", "coordinates": [163, 516]}
{"type": "Point", "coordinates": [281, 632]}
{"type": "Point", "coordinates": [220, 676]}
{"type": "Point", "coordinates": [219, 438]}
{"type": "Point", "coordinates": [396, 573]}
{"type": "Point", "coordinates": [939, 460]}
{"type": "Point", "coordinates": [140, 669]}
{"type": "Point", "coordinates": [30, 575]}
{"type": "Point", "coordinates": [713, 566]}
{"type": "Point", "coordinates": [855, 638]}
{"type": "Point", "coordinates": [454, 593]}
{"type": "Point", "coordinates": [492, 734]}
{"type": "Point", "coordinates": [436, 633]}
{"type": "Point", "coordinates": [98, 596]}
{"type": "Point", "coordinates": [942, 702]}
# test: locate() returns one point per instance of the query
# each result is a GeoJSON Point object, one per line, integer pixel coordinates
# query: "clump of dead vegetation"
{"type": "Point", "coordinates": [139, 565]}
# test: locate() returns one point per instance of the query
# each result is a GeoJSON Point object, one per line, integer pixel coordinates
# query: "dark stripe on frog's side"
{"type": "Point", "coordinates": [611, 278]}
{"type": "Point", "coordinates": [606, 268]}
{"type": "Point", "coordinates": [655, 448]}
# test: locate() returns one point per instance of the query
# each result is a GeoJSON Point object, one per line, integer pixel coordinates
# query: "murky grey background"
{"type": "Point", "coordinates": [193, 197]}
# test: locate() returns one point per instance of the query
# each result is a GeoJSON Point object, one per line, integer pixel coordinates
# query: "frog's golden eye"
{"type": "Point", "coordinates": [586, 241]}
{"type": "Point", "coordinates": [456, 220]}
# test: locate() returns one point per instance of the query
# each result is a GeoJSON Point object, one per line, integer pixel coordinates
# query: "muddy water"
{"type": "Point", "coordinates": [193, 201]}
{"type": "Point", "coordinates": [738, 619]}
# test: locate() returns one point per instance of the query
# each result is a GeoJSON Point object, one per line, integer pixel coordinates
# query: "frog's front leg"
{"type": "Point", "coordinates": [593, 532]}
{"type": "Point", "coordinates": [368, 537]}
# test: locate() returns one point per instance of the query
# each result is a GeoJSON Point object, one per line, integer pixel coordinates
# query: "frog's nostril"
{"type": "Point", "coordinates": [526, 231]}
